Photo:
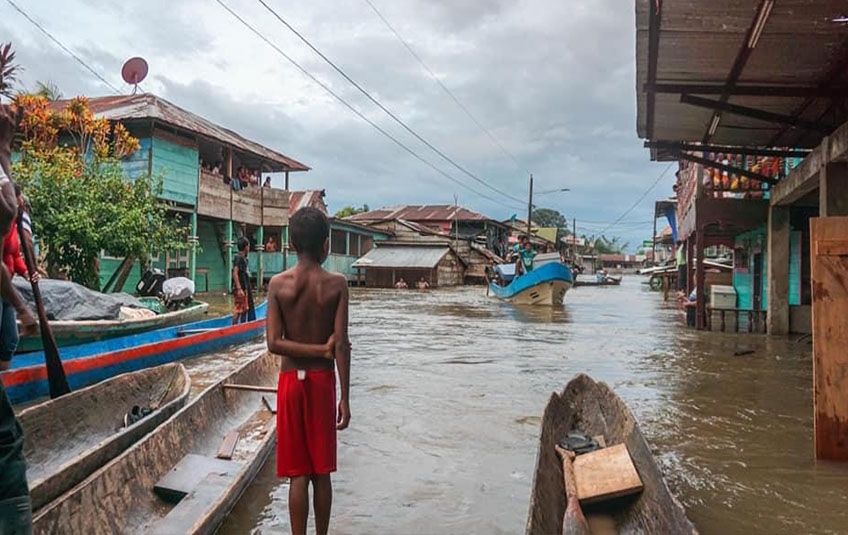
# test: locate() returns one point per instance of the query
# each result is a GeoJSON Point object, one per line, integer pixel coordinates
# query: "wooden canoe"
{"type": "Point", "coordinates": [68, 438]}
{"type": "Point", "coordinates": [90, 363]}
{"type": "Point", "coordinates": [610, 281]}
{"type": "Point", "coordinates": [71, 333]}
{"type": "Point", "coordinates": [120, 496]}
{"type": "Point", "coordinates": [595, 409]}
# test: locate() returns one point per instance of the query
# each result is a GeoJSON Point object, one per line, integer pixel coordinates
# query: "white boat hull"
{"type": "Point", "coordinates": [548, 293]}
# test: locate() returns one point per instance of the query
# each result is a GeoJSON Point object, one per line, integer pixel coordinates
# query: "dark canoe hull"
{"type": "Point", "coordinates": [68, 438]}
{"type": "Point", "coordinates": [608, 282]}
{"type": "Point", "coordinates": [90, 363]}
{"type": "Point", "coordinates": [72, 333]}
{"type": "Point", "coordinates": [594, 408]}
{"type": "Point", "coordinates": [119, 497]}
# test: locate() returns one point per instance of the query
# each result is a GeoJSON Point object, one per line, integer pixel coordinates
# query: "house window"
{"type": "Point", "coordinates": [338, 242]}
{"type": "Point", "coordinates": [354, 245]}
{"type": "Point", "coordinates": [366, 245]}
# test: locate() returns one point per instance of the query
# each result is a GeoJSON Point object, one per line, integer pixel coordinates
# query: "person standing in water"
{"type": "Point", "coordinates": [308, 326]}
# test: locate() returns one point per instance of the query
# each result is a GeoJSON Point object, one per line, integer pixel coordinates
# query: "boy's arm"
{"type": "Point", "coordinates": [278, 344]}
{"type": "Point", "coordinates": [342, 351]}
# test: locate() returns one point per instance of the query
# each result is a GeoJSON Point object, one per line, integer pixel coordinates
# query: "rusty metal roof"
{"type": "Point", "coordinates": [149, 106]}
{"type": "Point", "coordinates": [302, 199]}
{"type": "Point", "coordinates": [795, 68]}
{"type": "Point", "coordinates": [421, 213]}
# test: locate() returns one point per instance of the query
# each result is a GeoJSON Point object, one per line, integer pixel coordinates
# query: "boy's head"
{"type": "Point", "coordinates": [243, 245]}
{"type": "Point", "coordinates": [310, 233]}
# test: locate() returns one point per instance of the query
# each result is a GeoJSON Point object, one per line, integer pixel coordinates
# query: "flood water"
{"type": "Point", "coordinates": [448, 387]}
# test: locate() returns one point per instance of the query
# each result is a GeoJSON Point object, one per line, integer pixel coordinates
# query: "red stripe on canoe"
{"type": "Point", "coordinates": [39, 372]}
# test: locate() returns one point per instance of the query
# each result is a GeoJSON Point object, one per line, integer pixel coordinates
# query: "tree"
{"type": "Point", "coordinates": [348, 211]}
{"type": "Point", "coordinates": [82, 201]}
{"type": "Point", "coordinates": [604, 245]}
{"type": "Point", "coordinates": [549, 218]}
{"type": "Point", "coordinates": [48, 90]}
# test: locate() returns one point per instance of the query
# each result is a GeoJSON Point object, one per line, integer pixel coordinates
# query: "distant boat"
{"type": "Point", "coordinates": [68, 438]}
{"type": "Point", "coordinates": [172, 480]}
{"type": "Point", "coordinates": [609, 281]}
{"type": "Point", "coordinates": [545, 285]}
{"type": "Point", "coordinates": [71, 333]}
{"type": "Point", "coordinates": [90, 363]}
{"type": "Point", "coordinates": [594, 409]}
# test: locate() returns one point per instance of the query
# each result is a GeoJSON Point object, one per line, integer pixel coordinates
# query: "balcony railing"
{"type": "Point", "coordinates": [253, 205]}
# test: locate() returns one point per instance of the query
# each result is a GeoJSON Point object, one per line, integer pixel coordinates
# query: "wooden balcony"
{"type": "Point", "coordinates": [254, 205]}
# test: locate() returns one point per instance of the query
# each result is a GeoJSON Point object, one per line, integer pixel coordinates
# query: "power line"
{"type": "Point", "coordinates": [350, 106]}
{"type": "Point", "coordinates": [442, 85]}
{"type": "Point", "coordinates": [382, 107]}
{"type": "Point", "coordinates": [647, 191]}
{"type": "Point", "coordinates": [63, 47]}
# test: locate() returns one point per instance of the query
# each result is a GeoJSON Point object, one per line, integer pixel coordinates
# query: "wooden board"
{"type": "Point", "coordinates": [185, 476]}
{"type": "Point", "coordinates": [828, 236]}
{"type": "Point", "coordinates": [606, 473]}
{"type": "Point", "coordinates": [228, 446]}
{"type": "Point", "coordinates": [196, 505]}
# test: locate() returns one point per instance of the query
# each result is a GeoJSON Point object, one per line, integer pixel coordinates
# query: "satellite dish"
{"type": "Point", "coordinates": [134, 71]}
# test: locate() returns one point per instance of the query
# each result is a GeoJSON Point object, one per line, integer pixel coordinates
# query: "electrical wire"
{"type": "Point", "coordinates": [635, 204]}
{"type": "Point", "coordinates": [442, 85]}
{"type": "Point", "coordinates": [388, 112]}
{"type": "Point", "coordinates": [350, 106]}
{"type": "Point", "coordinates": [63, 47]}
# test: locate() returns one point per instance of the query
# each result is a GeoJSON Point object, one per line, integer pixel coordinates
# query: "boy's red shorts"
{"type": "Point", "coordinates": [306, 423]}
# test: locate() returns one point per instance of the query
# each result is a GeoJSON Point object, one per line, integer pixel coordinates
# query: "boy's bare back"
{"type": "Point", "coordinates": [307, 301]}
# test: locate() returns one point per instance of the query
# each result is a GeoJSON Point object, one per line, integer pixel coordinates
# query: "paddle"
{"type": "Point", "coordinates": [573, 523]}
{"type": "Point", "coordinates": [56, 378]}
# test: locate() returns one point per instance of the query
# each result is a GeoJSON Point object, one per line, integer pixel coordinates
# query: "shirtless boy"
{"type": "Point", "coordinates": [307, 324]}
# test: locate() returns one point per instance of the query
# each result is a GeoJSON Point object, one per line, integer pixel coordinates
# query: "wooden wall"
{"type": "Point", "coordinates": [275, 204]}
{"type": "Point", "coordinates": [176, 160]}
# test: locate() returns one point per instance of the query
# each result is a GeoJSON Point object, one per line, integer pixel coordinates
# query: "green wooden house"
{"type": "Point", "coordinates": [196, 159]}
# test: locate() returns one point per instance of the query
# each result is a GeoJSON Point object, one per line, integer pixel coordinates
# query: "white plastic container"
{"type": "Point", "coordinates": [722, 297]}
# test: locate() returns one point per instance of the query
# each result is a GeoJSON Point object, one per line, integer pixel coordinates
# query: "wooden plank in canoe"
{"type": "Point", "coordinates": [606, 473]}
{"type": "Point", "coordinates": [228, 446]}
{"type": "Point", "coordinates": [196, 505]}
{"type": "Point", "coordinates": [189, 472]}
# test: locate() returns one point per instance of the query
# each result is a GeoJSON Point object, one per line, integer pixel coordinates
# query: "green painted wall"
{"type": "Point", "coordinates": [211, 269]}
{"type": "Point", "coordinates": [178, 167]}
{"type": "Point", "coordinates": [137, 164]}
{"type": "Point", "coordinates": [753, 241]}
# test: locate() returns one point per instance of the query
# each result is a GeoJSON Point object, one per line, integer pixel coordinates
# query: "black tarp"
{"type": "Point", "coordinates": [68, 301]}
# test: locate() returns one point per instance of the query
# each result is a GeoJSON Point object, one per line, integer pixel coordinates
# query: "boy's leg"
{"type": "Point", "coordinates": [299, 504]}
{"type": "Point", "coordinates": [322, 489]}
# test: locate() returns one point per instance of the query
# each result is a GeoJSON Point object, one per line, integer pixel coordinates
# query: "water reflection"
{"type": "Point", "coordinates": [448, 387]}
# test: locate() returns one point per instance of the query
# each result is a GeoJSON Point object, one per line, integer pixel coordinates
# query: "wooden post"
{"type": "Point", "coordinates": [654, 240]}
{"type": "Point", "coordinates": [778, 270]}
{"type": "Point", "coordinates": [285, 247]}
{"type": "Point", "coordinates": [229, 244]}
{"type": "Point", "coordinates": [193, 241]}
{"type": "Point", "coordinates": [260, 248]}
{"type": "Point", "coordinates": [833, 190]}
{"type": "Point", "coordinates": [287, 181]}
{"type": "Point", "coordinates": [829, 260]}
{"type": "Point", "coordinates": [700, 287]}
{"type": "Point", "coordinates": [690, 264]}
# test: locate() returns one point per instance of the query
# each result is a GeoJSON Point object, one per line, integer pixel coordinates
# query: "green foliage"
{"type": "Point", "coordinates": [48, 90]}
{"type": "Point", "coordinates": [79, 211]}
{"type": "Point", "coordinates": [547, 217]}
{"type": "Point", "coordinates": [604, 245]}
{"type": "Point", "coordinates": [348, 211]}
{"type": "Point", "coordinates": [8, 70]}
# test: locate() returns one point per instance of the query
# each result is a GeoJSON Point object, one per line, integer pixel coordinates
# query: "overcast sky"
{"type": "Point", "coordinates": [552, 80]}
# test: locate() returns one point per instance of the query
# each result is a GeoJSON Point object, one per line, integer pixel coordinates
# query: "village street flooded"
{"type": "Point", "coordinates": [448, 387]}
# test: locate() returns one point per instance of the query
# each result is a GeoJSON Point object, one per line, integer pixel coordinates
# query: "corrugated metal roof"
{"type": "Point", "coordinates": [419, 213]}
{"type": "Point", "coordinates": [699, 40]}
{"type": "Point", "coordinates": [302, 199]}
{"type": "Point", "coordinates": [149, 106]}
{"type": "Point", "coordinates": [386, 256]}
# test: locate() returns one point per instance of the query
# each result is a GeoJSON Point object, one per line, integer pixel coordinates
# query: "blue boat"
{"type": "Point", "coordinates": [545, 285]}
{"type": "Point", "coordinates": [86, 364]}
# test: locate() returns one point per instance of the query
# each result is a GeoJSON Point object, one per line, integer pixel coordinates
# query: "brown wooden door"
{"type": "Point", "coordinates": [829, 263]}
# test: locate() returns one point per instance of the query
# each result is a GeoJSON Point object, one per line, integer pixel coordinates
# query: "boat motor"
{"type": "Point", "coordinates": [150, 284]}
{"type": "Point", "coordinates": [177, 292]}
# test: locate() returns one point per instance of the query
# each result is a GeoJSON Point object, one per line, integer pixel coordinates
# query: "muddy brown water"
{"type": "Point", "coordinates": [448, 387]}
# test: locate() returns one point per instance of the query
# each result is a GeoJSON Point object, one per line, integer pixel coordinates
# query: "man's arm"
{"type": "Point", "coordinates": [342, 351]}
{"type": "Point", "coordinates": [278, 344]}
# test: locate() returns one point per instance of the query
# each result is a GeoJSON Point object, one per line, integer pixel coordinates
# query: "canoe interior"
{"type": "Point", "coordinates": [68, 438]}
{"type": "Point", "coordinates": [70, 333]}
{"type": "Point", "coordinates": [119, 498]}
{"type": "Point", "coordinates": [595, 409]}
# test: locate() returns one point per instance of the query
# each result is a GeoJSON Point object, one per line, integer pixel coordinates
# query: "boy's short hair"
{"type": "Point", "coordinates": [242, 243]}
{"type": "Point", "coordinates": [309, 229]}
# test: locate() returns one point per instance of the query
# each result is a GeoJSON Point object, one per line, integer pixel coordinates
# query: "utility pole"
{"type": "Point", "coordinates": [530, 206]}
{"type": "Point", "coordinates": [574, 240]}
